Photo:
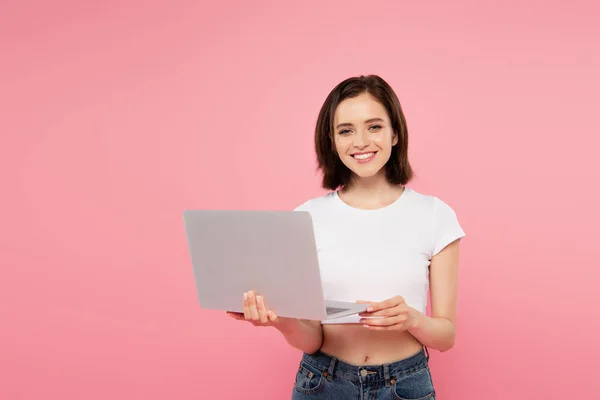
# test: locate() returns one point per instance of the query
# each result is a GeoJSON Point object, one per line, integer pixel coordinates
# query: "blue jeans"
{"type": "Point", "coordinates": [321, 376]}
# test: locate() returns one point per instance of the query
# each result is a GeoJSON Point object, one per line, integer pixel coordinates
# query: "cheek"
{"type": "Point", "coordinates": [383, 140]}
{"type": "Point", "coordinates": [340, 146]}
{"type": "Point", "coordinates": [390, 139]}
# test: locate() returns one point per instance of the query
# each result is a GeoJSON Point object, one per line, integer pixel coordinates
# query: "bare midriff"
{"type": "Point", "coordinates": [357, 345]}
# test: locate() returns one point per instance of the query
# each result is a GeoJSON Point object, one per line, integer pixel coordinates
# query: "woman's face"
{"type": "Point", "coordinates": [363, 135]}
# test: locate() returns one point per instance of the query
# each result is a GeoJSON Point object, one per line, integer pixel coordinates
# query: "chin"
{"type": "Point", "coordinates": [367, 173]}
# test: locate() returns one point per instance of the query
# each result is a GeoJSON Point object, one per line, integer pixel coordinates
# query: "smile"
{"type": "Point", "coordinates": [364, 157]}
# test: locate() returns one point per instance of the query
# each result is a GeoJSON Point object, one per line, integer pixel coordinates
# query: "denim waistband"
{"type": "Point", "coordinates": [332, 367]}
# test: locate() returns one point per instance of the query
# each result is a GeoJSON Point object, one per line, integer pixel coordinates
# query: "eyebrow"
{"type": "Point", "coordinates": [366, 122]}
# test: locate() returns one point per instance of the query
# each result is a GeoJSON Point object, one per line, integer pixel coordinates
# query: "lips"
{"type": "Point", "coordinates": [363, 156]}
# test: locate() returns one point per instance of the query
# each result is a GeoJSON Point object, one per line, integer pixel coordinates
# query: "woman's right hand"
{"type": "Point", "coordinates": [256, 311]}
{"type": "Point", "coordinates": [304, 335]}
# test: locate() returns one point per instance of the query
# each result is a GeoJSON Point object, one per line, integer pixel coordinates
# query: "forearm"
{"type": "Point", "coordinates": [304, 335]}
{"type": "Point", "coordinates": [433, 332]}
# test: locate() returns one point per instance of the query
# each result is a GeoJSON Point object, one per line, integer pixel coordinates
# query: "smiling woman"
{"type": "Point", "coordinates": [374, 136]}
{"type": "Point", "coordinates": [362, 120]}
{"type": "Point", "coordinates": [379, 242]}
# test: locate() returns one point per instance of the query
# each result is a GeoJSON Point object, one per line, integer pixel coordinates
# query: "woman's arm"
{"type": "Point", "coordinates": [304, 335]}
{"type": "Point", "coordinates": [438, 331]}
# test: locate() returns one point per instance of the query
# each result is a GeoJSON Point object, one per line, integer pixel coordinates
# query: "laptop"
{"type": "Point", "coordinates": [272, 253]}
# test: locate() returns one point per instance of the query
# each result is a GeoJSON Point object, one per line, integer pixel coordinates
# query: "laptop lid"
{"type": "Point", "coordinates": [270, 252]}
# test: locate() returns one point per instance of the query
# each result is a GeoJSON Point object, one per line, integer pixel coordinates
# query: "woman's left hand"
{"type": "Point", "coordinates": [394, 314]}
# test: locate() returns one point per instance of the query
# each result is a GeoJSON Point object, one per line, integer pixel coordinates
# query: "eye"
{"type": "Point", "coordinates": [344, 131]}
{"type": "Point", "coordinates": [375, 127]}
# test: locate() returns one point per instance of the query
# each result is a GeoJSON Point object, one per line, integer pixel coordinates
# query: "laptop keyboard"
{"type": "Point", "coordinates": [333, 310]}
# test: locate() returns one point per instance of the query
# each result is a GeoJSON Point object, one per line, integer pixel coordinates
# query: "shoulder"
{"type": "Point", "coordinates": [319, 203]}
{"type": "Point", "coordinates": [442, 220]}
{"type": "Point", "coordinates": [428, 203]}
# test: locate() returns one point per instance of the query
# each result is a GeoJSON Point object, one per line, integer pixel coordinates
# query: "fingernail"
{"type": "Point", "coordinates": [246, 296]}
{"type": "Point", "coordinates": [259, 299]}
{"type": "Point", "coordinates": [369, 309]}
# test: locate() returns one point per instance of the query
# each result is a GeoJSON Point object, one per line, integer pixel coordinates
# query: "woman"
{"type": "Point", "coordinates": [380, 243]}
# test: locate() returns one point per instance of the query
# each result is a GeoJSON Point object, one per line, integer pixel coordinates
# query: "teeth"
{"type": "Point", "coordinates": [363, 156]}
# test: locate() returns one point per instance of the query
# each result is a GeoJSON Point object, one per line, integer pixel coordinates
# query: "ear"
{"type": "Point", "coordinates": [395, 139]}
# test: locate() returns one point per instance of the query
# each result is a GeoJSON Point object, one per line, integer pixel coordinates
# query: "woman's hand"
{"type": "Point", "coordinates": [304, 335]}
{"type": "Point", "coordinates": [255, 311]}
{"type": "Point", "coordinates": [394, 314]}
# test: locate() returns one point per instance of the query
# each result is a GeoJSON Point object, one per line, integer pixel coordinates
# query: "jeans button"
{"type": "Point", "coordinates": [363, 373]}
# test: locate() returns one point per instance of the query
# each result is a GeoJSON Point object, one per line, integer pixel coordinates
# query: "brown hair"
{"type": "Point", "coordinates": [335, 174]}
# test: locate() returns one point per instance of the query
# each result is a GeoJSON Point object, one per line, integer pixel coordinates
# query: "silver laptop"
{"type": "Point", "coordinates": [272, 253]}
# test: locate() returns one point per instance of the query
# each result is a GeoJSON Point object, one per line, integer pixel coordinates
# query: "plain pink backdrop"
{"type": "Point", "coordinates": [117, 115]}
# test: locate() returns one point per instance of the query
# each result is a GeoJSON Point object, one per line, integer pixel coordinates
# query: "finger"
{"type": "Point", "coordinates": [394, 301]}
{"type": "Point", "coordinates": [262, 310]}
{"type": "Point", "coordinates": [396, 328]}
{"type": "Point", "coordinates": [386, 312]}
{"type": "Point", "coordinates": [364, 313]}
{"type": "Point", "coordinates": [272, 316]}
{"type": "Point", "coordinates": [252, 305]}
{"type": "Point", "coordinates": [389, 321]}
{"type": "Point", "coordinates": [246, 306]}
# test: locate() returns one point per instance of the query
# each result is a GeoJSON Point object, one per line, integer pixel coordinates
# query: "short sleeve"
{"type": "Point", "coordinates": [446, 228]}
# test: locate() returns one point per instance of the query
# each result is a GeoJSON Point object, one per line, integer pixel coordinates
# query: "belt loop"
{"type": "Point", "coordinates": [386, 374]}
{"type": "Point", "coordinates": [426, 352]}
{"type": "Point", "coordinates": [331, 367]}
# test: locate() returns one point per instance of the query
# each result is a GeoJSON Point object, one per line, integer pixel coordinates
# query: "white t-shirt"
{"type": "Point", "coordinates": [374, 255]}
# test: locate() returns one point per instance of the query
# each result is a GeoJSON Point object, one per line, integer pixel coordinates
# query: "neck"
{"type": "Point", "coordinates": [377, 184]}
{"type": "Point", "coordinates": [370, 193]}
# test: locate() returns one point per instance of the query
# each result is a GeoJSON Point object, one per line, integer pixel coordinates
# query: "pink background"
{"type": "Point", "coordinates": [115, 116]}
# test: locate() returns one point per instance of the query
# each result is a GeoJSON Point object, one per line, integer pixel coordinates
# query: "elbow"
{"type": "Point", "coordinates": [315, 346]}
{"type": "Point", "coordinates": [309, 348]}
{"type": "Point", "coordinates": [448, 344]}
{"type": "Point", "coordinates": [446, 347]}
{"type": "Point", "coordinates": [309, 344]}
{"type": "Point", "coordinates": [447, 340]}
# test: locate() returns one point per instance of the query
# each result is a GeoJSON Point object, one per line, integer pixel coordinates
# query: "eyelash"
{"type": "Point", "coordinates": [378, 127]}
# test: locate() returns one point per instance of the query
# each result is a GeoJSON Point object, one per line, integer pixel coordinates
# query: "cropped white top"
{"type": "Point", "coordinates": [377, 254]}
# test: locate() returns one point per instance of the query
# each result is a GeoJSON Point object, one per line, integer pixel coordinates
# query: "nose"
{"type": "Point", "coordinates": [361, 139]}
